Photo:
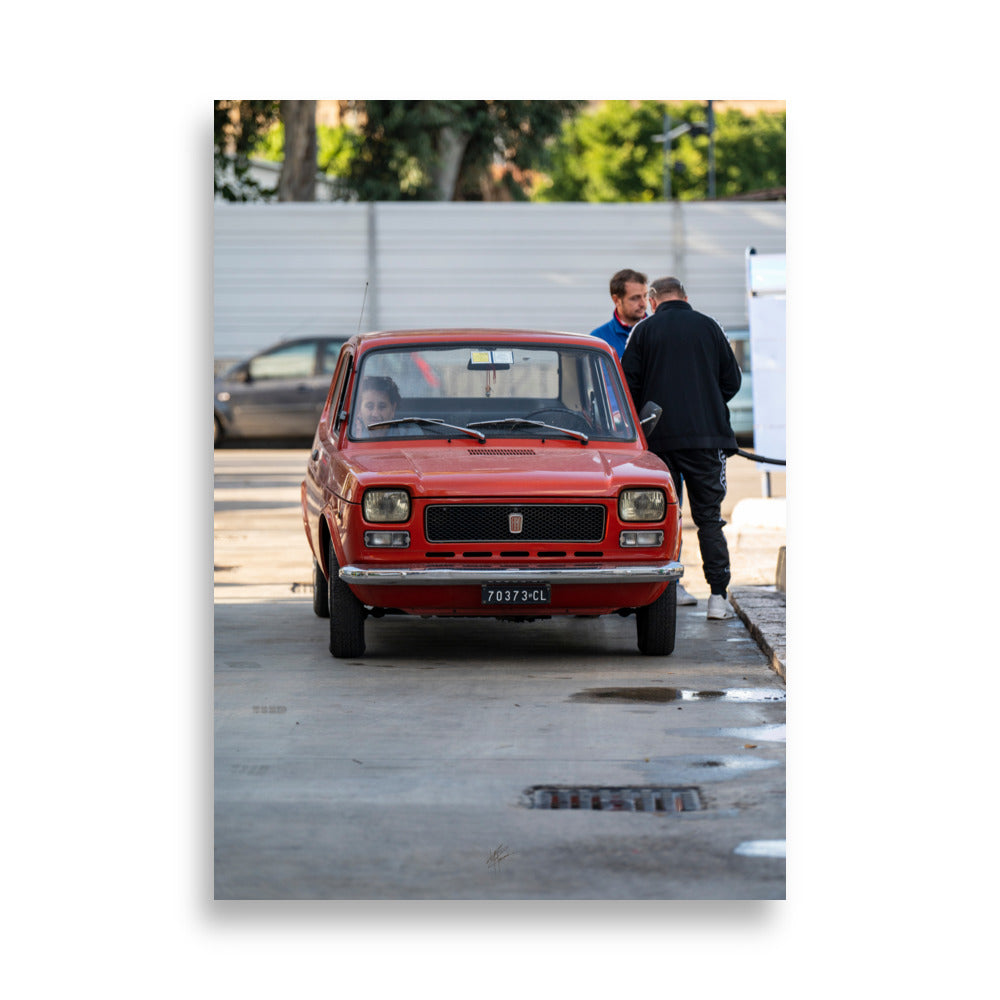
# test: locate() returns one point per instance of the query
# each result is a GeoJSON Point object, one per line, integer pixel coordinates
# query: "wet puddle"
{"type": "Point", "coordinates": [629, 695]}
{"type": "Point", "coordinates": [764, 734]}
{"type": "Point", "coordinates": [761, 849]}
{"type": "Point", "coordinates": [730, 763]}
{"type": "Point", "coordinates": [708, 769]}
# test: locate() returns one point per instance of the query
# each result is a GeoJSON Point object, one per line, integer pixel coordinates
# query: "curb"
{"type": "Point", "coordinates": [762, 610]}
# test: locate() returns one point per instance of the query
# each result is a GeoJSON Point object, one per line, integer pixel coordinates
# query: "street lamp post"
{"type": "Point", "coordinates": [711, 151]}
{"type": "Point", "coordinates": [667, 138]}
{"type": "Point", "coordinates": [666, 155]}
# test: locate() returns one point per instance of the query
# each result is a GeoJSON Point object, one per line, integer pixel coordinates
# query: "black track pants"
{"type": "Point", "coordinates": [704, 472]}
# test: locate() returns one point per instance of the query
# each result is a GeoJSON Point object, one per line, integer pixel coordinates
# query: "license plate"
{"type": "Point", "coordinates": [516, 593]}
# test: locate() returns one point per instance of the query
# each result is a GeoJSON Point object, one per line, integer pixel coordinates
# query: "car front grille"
{"type": "Point", "coordinates": [492, 522]}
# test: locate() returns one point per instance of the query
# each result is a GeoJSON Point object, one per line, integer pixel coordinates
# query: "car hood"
{"type": "Point", "coordinates": [511, 470]}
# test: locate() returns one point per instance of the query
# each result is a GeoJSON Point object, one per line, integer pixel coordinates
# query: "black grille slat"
{"type": "Point", "coordinates": [500, 451]}
{"type": "Point", "coordinates": [490, 523]}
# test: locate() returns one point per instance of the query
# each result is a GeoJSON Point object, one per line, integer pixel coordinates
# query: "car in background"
{"type": "Point", "coordinates": [278, 393]}
{"type": "Point", "coordinates": [741, 405]}
{"type": "Point", "coordinates": [488, 473]}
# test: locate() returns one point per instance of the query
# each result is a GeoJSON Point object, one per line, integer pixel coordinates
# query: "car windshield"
{"type": "Point", "coordinates": [486, 389]}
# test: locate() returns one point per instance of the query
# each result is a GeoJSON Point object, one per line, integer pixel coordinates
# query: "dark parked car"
{"type": "Point", "coordinates": [500, 473]}
{"type": "Point", "coordinates": [278, 393]}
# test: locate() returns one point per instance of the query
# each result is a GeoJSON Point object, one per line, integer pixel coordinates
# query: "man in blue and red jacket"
{"type": "Point", "coordinates": [628, 293]}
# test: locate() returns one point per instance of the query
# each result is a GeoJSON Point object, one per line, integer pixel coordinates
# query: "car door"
{"type": "Point", "coordinates": [325, 470]}
{"type": "Point", "coordinates": [282, 394]}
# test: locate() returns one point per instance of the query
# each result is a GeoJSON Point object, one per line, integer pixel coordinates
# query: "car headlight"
{"type": "Point", "coordinates": [386, 505]}
{"type": "Point", "coordinates": [642, 505]}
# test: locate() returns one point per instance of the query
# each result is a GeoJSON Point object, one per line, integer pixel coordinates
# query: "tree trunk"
{"type": "Point", "coordinates": [298, 172]}
{"type": "Point", "coordinates": [450, 149]}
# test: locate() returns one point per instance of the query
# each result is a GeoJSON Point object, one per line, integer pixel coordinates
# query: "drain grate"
{"type": "Point", "coordinates": [631, 798]}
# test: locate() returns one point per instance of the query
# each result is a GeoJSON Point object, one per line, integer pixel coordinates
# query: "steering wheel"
{"type": "Point", "coordinates": [571, 420]}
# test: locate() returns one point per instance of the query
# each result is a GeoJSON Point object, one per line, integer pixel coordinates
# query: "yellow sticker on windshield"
{"type": "Point", "coordinates": [491, 359]}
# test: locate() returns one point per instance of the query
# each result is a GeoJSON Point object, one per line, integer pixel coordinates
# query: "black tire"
{"type": "Point", "coordinates": [656, 624]}
{"type": "Point", "coordinates": [321, 593]}
{"type": "Point", "coordinates": [347, 615]}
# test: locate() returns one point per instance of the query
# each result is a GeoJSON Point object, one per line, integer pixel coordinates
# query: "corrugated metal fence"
{"type": "Point", "coordinates": [292, 270]}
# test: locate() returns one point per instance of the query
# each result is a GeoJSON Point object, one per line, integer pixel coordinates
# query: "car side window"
{"type": "Point", "coordinates": [340, 380]}
{"type": "Point", "coordinates": [610, 397]}
{"type": "Point", "coordinates": [292, 361]}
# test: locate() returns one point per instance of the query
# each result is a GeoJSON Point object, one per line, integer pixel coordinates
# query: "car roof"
{"type": "Point", "coordinates": [444, 335]}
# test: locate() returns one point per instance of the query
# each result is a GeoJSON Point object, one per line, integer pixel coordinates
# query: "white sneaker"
{"type": "Point", "coordinates": [719, 608]}
{"type": "Point", "coordinates": [683, 597]}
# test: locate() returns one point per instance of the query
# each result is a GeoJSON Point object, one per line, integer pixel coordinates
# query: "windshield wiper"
{"type": "Point", "coordinates": [430, 422]}
{"type": "Point", "coordinates": [522, 422]}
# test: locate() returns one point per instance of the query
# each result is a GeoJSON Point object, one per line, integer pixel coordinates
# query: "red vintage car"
{"type": "Point", "coordinates": [499, 473]}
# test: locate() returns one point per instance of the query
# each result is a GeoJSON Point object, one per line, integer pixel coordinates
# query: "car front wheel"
{"type": "Point", "coordinates": [656, 624]}
{"type": "Point", "coordinates": [347, 615]}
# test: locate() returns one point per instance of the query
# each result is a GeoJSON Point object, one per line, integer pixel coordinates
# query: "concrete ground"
{"type": "Point", "coordinates": [403, 775]}
{"type": "Point", "coordinates": [755, 533]}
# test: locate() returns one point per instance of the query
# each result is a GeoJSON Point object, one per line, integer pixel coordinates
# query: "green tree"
{"type": "Point", "coordinates": [610, 154]}
{"type": "Point", "coordinates": [298, 169]}
{"type": "Point", "coordinates": [749, 152]}
{"type": "Point", "coordinates": [255, 130]}
{"type": "Point", "coordinates": [336, 146]}
{"type": "Point", "coordinates": [607, 155]}
{"type": "Point", "coordinates": [239, 128]}
{"type": "Point", "coordinates": [451, 150]}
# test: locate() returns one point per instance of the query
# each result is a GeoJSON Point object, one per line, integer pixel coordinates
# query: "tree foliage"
{"type": "Point", "coordinates": [451, 150]}
{"type": "Point", "coordinates": [749, 152]}
{"type": "Point", "coordinates": [476, 150]}
{"type": "Point", "coordinates": [336, 146]}
{"type": "Point", "coordinates": [239, 128]}
{"type": "Point", "coordinates": [610, 154]}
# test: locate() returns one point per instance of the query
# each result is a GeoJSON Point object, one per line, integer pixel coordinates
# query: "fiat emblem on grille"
{"type": "Point", "coordinates": [515, 522]}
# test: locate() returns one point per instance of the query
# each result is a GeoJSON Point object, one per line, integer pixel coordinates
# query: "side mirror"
{"type": "Point", "coordinates": [649, 417]}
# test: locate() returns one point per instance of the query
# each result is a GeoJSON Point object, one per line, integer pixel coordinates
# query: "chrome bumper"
{"type": "Point", "coordinates": [423, 575]}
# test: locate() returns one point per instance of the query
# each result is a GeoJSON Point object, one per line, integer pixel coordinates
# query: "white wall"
{"type": "Point", "coordinates": [288, 270]}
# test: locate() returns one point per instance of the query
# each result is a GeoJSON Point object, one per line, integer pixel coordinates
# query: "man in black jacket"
{"type": "Point", "coordinates": [681, 359]}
